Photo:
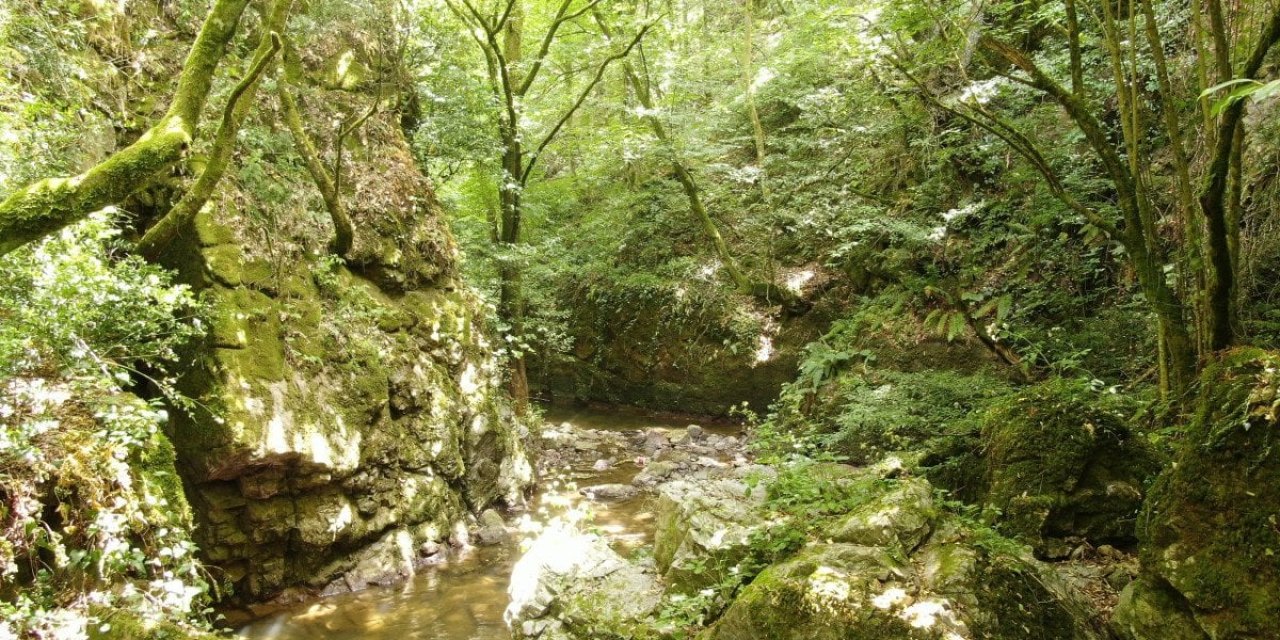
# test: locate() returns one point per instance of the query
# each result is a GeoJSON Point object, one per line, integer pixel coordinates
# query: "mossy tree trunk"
{"type": "Point", "coordinates": [47, 206]}
{"type": "Point", "coordinates": [163, 232]}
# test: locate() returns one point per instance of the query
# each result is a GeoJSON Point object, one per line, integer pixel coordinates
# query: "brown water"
{"type": "Point", "coordinates": [462, 596]}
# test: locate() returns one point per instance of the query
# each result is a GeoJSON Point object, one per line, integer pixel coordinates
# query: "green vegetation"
{"type": "Point", "coordinates": [280, 280]}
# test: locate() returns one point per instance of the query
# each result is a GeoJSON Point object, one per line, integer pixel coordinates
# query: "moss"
{"type": "Point", "coordinates": [1209, 528]}
{"type": "Point", "coordinates": [1062, 461]}
{"type": "Point", "coordinates": [123, 625]}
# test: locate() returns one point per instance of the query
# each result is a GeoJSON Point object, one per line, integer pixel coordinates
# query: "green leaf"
{"type": "Point", "coordinates": [956, 326]}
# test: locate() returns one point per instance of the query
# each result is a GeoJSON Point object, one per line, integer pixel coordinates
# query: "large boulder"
{"type": "Point", "coordinates": [705, 523]}
{"type": "Point", "coordinates": [953, 587]}
{"type": "Point", "coordinates": [1210, 539]}
{"type": "Point", "coordinates": [572, 586]}
{"type": "Point", "coordinates": [1061, 462]}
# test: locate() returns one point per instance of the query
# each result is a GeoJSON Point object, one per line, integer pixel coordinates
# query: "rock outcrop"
{"type": "Point", "coordinates": [346, 412]}
{"type": "Point", "coordinates": [1210, 542]}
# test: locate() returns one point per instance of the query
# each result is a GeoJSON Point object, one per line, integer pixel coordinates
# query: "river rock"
{"type": "Point", "coordinates": [704, 525]}
{"type": "Point", "coordinates": [610, 492]}
{"type": "Point", "coordinates": [654, 440]}
{"type": "Point", "coordinates": [572, 586]}
{"type": "Point", "coordinates": [492, 530]}
{"type": "Point", "coordinates": [695, 432]}
{"type": "Point", "coordinates": [655, 473]}
{"type": "Point", "coordinates": [948, 589]}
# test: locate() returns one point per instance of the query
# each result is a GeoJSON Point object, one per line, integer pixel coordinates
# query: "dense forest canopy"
{"type": "Point", "coordinates": [289, 287]}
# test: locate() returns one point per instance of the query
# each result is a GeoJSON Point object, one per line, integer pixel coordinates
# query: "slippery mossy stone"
{"type": "Point", "coordinates": [1149, 609]}
{"type": "Point", "coordinates": [1061, 461]}
{"type": "Point", "coordinates": [901, 517]}
{"type": "Point", "coordinates": [1209, 529]}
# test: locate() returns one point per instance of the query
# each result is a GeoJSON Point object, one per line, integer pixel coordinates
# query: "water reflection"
{"type": "Point", "coordinates": [462, 596]}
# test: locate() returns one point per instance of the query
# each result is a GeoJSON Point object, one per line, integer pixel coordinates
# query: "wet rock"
{"type": "Point", "coordinates": [610, 492]}
{"type": "Point", "coordinates": [695, 433]}
{"type": "Point", "coordinates": [572, 586]}
{"type": "Point", "coordinates": [492, 530]}
{"type": "Point", "coordinates": [602, 465]}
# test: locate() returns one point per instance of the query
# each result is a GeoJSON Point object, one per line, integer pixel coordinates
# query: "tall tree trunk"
{"type": "Point", "coordinates": [45, 207]}
{"type": "Point", "coordinates": [511, 305]}
{"type": "Point", "coordinates": [747, 63]}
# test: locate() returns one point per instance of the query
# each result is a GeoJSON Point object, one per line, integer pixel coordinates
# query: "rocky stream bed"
{"type": "Point", "coordinates": [636, 515]}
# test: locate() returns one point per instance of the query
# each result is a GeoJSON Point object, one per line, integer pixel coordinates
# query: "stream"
{"type": "Point", "coordinates": [461, 593]}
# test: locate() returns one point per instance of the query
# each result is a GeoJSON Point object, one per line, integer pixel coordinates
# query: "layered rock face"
{"type": "Point", "coordinates": [347, 412]}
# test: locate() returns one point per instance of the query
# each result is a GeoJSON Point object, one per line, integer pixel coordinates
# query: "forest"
{"type": "Point", "coordinates": [640, 319]}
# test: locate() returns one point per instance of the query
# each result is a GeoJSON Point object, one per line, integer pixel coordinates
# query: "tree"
{"type": "Point", "coordinates": [47, 206]}
{"type": "Point", "coordinates": [499, 33]}
{"type": "Point", "coordinates": [1190, 324]}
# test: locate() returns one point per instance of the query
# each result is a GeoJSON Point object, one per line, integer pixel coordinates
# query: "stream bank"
{"type": "Point", "coordinates": [597, 466]}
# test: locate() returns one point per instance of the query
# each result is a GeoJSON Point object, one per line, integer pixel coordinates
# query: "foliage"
{"type": "Point", "coordinates": [97, 521]}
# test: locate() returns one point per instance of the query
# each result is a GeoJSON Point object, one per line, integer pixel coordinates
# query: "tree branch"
{"type": "Point", "coordinates": [45, 207]}
{"type": "Point", "coordinates": [582, 97]}
{"type": "Point", "coordinates": [163, 232]}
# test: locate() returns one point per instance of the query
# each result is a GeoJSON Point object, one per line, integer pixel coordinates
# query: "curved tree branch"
{"type": "Point", "coordinates": [161, 234]}
{"type": "Point", "coordinates": [45, 207]}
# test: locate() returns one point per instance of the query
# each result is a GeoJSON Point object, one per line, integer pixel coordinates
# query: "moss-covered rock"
{"type": "Point", "coordinates": [901, 517]}
{"type": "Point", "coordinates": [347, 412]}
{"type": "Point", "coordinates": [1209, 528]}
{"type": "Point", "coordinates": [952, 587]}
{"type": "Point", "coordinates": [704, 528]}
{"type": "Point", "coordinates": [1061, 461]}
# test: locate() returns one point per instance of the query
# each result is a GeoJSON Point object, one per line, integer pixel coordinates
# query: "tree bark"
{"type": "Point", "coordinates": [49, 205]}
{"type": "Point", "coordinates": [163, 232]}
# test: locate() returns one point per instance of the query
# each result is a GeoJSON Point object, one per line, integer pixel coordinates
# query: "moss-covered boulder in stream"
{"type": "Point", "coordinates": [1062, 462]}
{"type": "Point", "coordinates": [1210, 542]}
{"type": "Point", "coordinates": [963, 583]}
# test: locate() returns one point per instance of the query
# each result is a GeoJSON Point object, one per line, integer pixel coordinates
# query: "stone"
{"type": "Point", "coordinates": [654, 440]}
{"type": "Point", "coordinates": [571, 585]}
{"type": "Point", "coordinates": [1209, 534]}
{"type": "Point", "coordinates": [492, 529]}
{"type": "Point", "coordinates": [1063, 466]}
{"type": "Point", "coordinates": [610, 492]}
{"type": "Point", "coordinates": [704, 526]}
{"type": "Point", "coordinates": [695, 432]}
{"type": "Point", "coordinates": [655, 473]}
{"type": "Point", "coordinates": [949, 589]}
{"type": "Point", "coordinates": [901, 517]}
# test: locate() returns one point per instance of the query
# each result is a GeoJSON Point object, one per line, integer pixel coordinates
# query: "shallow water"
{"type": "Point", "coordinates": [462, 596]}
